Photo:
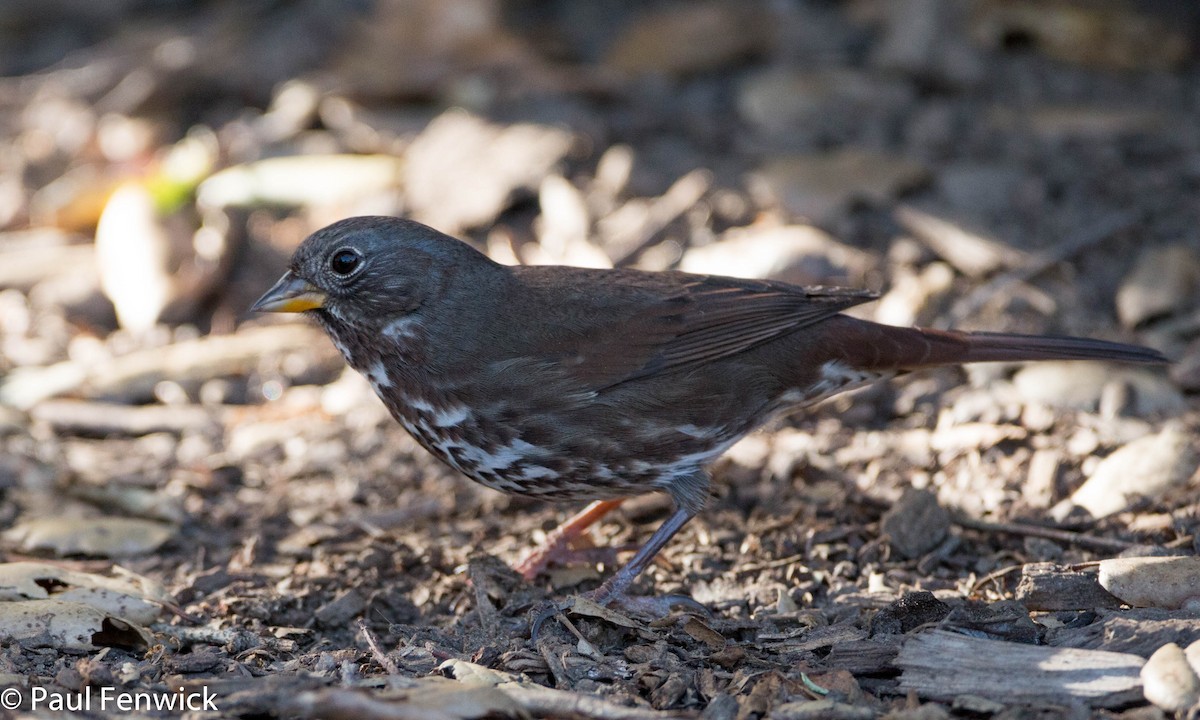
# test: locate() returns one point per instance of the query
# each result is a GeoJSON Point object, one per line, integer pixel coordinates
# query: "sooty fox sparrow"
{"type": "Point", "coordinates": [573, 384]}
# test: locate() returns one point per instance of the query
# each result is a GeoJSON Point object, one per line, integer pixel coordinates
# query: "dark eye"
{"type": "Point", "coordinates": [344, 261]}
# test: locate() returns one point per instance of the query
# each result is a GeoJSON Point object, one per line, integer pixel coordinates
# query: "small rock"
{"type": "Point", "coordinates": [1163, 582]}
{"type": "Point", "coordinates": [1040, 486]}
{"type": "Point", "coordinates": [1193, 656]}
{"type": "Point", "coordinates": [1160, 283]}
{"type": "Point", "coordinates": [963, 437]}
{"type": "Point", "coordinates": [916, 524]}
{"type": "Point", "coordinates": [1146, 467]}
{"type": "Point", "coordinates": [721, 707]}
{"type": "Point", "coordinates": [1168, 681]}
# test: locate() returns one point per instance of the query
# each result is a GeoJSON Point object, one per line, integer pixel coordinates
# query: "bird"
{"type": "Point", "coordinates": [573, 384]}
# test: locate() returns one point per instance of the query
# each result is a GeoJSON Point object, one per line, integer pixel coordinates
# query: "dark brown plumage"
{"type": "Point", "coordinates": [575, 384]}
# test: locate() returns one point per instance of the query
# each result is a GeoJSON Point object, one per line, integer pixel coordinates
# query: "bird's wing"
{"type": "Point", "coordinates": [696, 320]}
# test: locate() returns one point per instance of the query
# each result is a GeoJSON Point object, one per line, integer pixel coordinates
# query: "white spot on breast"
{"type": "Point", "coordinates": [419, 404]}
{"type": "Point", "coordinates": [378, 376]}
{"type": "Point", "coordinates": [450, 416]}
{"type": "Point", "coordinates": [695, 431]}
{"type": "Point", "coordinates": [500, 458]}
{"type": "Point", "coordinates": [536, 472]}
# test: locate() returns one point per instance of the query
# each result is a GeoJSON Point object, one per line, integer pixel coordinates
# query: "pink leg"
{"type": "Point", "coordinates": [558, 542]}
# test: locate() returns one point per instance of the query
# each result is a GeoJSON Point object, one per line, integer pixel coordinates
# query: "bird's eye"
{"type": "Point", "coordinates": [344, 261]}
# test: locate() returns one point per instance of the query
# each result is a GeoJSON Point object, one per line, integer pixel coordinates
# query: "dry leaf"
{"type": "Point", "coordinates": [132, 596]}
{"type": "Point", "coordinates": [67, 626]}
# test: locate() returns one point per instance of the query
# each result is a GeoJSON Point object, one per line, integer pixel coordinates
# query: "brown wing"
{"type": "Point", "coordinates": [663, 326]}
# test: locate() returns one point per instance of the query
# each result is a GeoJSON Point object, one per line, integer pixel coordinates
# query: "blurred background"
{"type": "Point", "coordinates": [161, 159]}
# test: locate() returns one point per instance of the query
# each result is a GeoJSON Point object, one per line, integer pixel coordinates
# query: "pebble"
{"type": "Point", "coordinates": [1146, 467]}
{"type": "Point", "coordinates": [916, 524]}
{"type": "Point", "coordinates": [1168, 681]}
{"type": "Point", "coordinates": [1162, 582]}
{"type": "Point", "coordinates": [1161, 282]}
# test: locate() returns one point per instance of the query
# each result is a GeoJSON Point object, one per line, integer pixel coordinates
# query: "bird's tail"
{"type": "Point", "coordinates": [867, 345]}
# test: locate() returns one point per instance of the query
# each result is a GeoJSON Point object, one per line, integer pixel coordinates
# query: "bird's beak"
{"type": "Point", "coordinates": [290, 295]}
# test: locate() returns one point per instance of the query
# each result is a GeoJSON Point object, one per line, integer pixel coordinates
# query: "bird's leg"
{"type": "Point", "coordinates": [557, 544]}
{"type": "Point", "coordinates": [612, 591]}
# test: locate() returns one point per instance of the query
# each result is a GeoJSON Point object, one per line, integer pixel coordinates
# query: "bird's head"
{"type": "Point", "coordinates": [368, 271]}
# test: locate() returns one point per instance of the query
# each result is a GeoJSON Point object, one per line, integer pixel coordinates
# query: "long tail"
{"type": "Point", "coordinates": [869, 345]}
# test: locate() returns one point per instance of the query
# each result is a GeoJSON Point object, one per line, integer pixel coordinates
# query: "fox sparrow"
{"type": "Point", "coordinates": [574, 384]}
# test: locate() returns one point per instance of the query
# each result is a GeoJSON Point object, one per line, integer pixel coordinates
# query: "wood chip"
{"type": "Point", "coordinates": [942, 665]}
{"type": "Point", "coordinates": [1050, 587]}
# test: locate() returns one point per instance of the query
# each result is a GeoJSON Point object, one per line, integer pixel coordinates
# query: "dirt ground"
{"type": "Point", "coordinates": [1001, 165]}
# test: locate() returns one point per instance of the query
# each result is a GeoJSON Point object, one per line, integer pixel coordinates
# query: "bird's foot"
{"type": "Point", "coordinates": [657, 606]}
{"type": "Point", "coordinates": [651, 607]}
{"type": "Point", "coordinates": [612, 593]}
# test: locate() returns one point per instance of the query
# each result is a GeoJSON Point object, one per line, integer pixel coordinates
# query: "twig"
{"type": "Point", "coordinates": [377, 652]}
{"type": "Point", "coordinates": [1065, 536]}
{"type": "Point", "coordinates": [84, 417]}
{"type": "Point", "coordinates": [994, 575]}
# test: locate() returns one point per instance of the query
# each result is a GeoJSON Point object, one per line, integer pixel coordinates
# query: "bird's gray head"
{"type": "Point", "coordinates": [368, 271]}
